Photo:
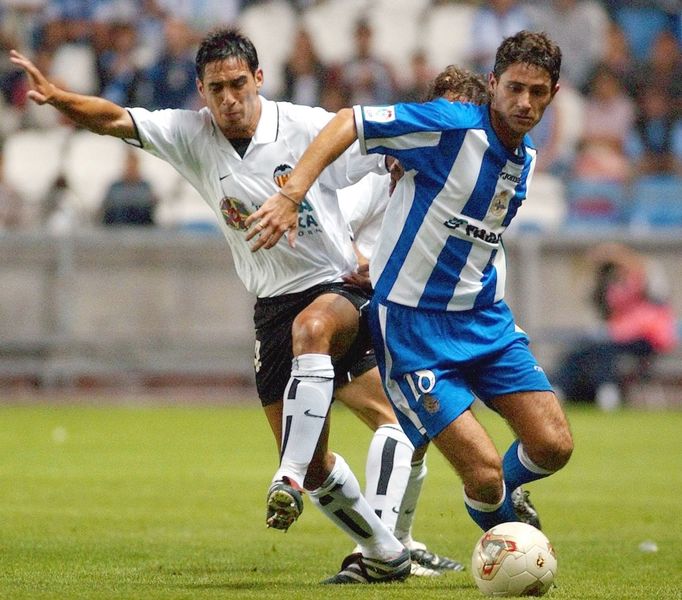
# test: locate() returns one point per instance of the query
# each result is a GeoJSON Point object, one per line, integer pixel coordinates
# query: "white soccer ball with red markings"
{"type": "Point", "coordinates": [513, 559]}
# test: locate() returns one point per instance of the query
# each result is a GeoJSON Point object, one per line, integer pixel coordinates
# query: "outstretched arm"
{"type": "Point", "coordinates": [96, 114]}
{"type": "Point", "coordinates": [279, 213]}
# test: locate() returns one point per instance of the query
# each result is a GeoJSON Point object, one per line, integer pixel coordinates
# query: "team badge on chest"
{"type": "Point", "coordinates": [500, 203]}
{"type": "Point", "coordinates": [281, 174]}
{"type": "Point", "coordinates": [234, 212]}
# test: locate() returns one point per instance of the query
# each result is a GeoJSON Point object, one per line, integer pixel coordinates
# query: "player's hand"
{"type": "Point", "coordinates": [396, 171]}
{"type": "Point", "coordinates": [277, 216]}
{"type": "Point", "coordinates": [360, 278]}
{"type": "Point", "coordinates": [41, 89]}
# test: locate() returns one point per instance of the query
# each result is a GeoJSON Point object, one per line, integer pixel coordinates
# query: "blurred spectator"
{"type": "Point", "coordinates": [34, 116]}
{"type": "Point", "coordinates": [421, 80]}
{"type": "Point", "coordinates": [643, 20]}
{"type": "Point", "coordinates": [61, 210]}
{"type": "Point", "coordinates": [658, 94]}
{"type": "Point", "coordinates": [11, 204]}
{"type": "Point", "coordinates": [170, 82]}
{"type": "Point", "coordinates": [67, 36]}
{"type": "Point", "coordinates": [579, 28]}
{"type": "Point", "coordinates": [119, 72]}
{"type": "Point", "coordinates": [130, 200]}
{"type": "Point", "coordinates": [368, 79]}
{"type": "Point", "coordinates": [493, 21]}
{"type": "Point", "coordinates": [557, 135]}
{"type": "Point", "coordinates": [631, 296]}
{"type": "Point", "coordinates": [334, 94]}
{"type": "Point", "coordinates": [609, 116]}
{"type": "Point", "coordinates": [304, 73]}
{"type": "Point", "coordinates": [202, 15]}
{"type": "Point", "coordinates": [12, 86]}
{"type": "Point", "coordinates": [617, 55]}
{"type": "Point", "coordinates": [20, 20]}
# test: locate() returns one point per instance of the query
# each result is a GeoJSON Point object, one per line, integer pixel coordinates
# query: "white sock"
{"type": "Point", "coordinates": [339, 498]}
{"type": "Point", "coordinates": [387, 472]}
{"type": "Point", "coordinates": [403, 527]}
{"type": "Point", "coordinates": [307, 399]}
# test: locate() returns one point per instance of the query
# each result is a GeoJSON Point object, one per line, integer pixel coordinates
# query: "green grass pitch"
{"type": "Point", "coordinates": [153, 502]}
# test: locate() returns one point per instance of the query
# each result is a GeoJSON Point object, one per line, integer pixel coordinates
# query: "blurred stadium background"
{"type": "Point", "coordinates": [84, 305]}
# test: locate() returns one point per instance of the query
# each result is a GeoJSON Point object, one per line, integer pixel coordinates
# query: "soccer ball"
{"type": "Point", "coordinates": [513, 559]}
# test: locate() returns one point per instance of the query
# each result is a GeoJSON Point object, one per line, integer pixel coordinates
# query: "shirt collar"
{"type": "Point", "coordinates": [266, 130]}
{"type": "Point", "coordinates": [268, 125]}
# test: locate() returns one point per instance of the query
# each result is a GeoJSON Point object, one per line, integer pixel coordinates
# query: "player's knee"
{"type": "Point", "coordinates": [311, 332]}
{"type": "Point", "coordinates": [553, 452]}
{"type": "Point", "coordinates": [485, 484]}
{"type": "Point", "coordinates": [563, 448]}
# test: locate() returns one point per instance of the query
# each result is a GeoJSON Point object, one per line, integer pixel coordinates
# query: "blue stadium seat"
{"type": "Point", "coordinates": [656, 202]}
{"type": "Point", "coordinates": [596, 203]}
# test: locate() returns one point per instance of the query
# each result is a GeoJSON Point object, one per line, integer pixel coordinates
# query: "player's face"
{"type": "Point", "coordinates": [230, 91]}
{"type": "Point", "coordinates": [518, 101]}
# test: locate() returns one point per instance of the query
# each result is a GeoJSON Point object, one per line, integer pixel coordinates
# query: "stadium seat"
{"type": "Point", "coordinates": [163, 178]}
{"type": "Point", "coordinates": [446, 34]}
{"type": "Point", "coordinates": [185, 210]}
{"type": "Point", "coordinates": [657, 203]}
{"type": "Point", "coordinates": [389, 16]}
{"type": "Point", "coordinates": [271, 26]}
{"type": "Point", "coordinates": [91, 163]}
{"type": "Point", "coordinates": [33, 159]}
{"type": "Point", "coordinates": [596, 203]}
{"type": "Point", "coordinates": [331, 25]}
{"type": "Point", "coordinates": [544, 209]}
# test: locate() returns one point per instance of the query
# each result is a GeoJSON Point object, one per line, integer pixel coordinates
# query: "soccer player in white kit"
{"type": "Point", "coordinates": [442, 331]}
{"type": "Point", "coordinates": [236, 151]}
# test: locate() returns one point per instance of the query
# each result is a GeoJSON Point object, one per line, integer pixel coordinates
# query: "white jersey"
{"type": "Point", "coordinates": [234, 187]}
{"type": "Point", "coordinates": [363, 205]}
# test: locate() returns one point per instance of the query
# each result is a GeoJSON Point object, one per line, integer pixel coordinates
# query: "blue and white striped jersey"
{"type": "Point", "coordinates": [440, 246]}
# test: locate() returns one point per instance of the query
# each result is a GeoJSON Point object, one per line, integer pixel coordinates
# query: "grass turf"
{"type": "Point", "coordinates": [148, 502]}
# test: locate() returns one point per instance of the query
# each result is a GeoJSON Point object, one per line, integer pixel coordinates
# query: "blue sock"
{"type": "Point", "coordinates": [488, 515]}
{"type": "Point", "coordinates": [518, 468]}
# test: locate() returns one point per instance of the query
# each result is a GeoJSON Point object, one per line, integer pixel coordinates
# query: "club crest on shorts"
{"type": "Point", "coordinates": [430, 403]}
{"type": "Point", "coordinates": [282, 174]}
{"type": "Point", "coordinates": [234, 212]}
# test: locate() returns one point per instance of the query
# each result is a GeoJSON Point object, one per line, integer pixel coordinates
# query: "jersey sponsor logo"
{"type": "Point", "coordinates": [307, 223]}
{"type": "Point", "coordinates": [472, 231]}
{"type": "Point", "coordinates": [510, 177]}
{"type": "Point", "coordinates": [234, 213]}
{"type": "Point", "coordinates": [379, 114]}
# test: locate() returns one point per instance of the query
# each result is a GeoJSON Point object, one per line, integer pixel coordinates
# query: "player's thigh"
{"type": "Point", "coordinates": [468, 448]}
{"type": "Point", "coordinates": [365, 396]}
{"type": "Point", "coordinates": [538, 420]}
{"type": "Point", "coordinates": [328, 325]}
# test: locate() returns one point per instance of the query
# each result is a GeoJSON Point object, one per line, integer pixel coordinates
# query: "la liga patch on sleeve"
{"type": "Point", "coordinates": [379, 114]}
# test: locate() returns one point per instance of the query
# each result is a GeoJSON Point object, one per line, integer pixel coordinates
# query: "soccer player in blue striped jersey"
{"type": "Point", "coordinates": [443, 333]}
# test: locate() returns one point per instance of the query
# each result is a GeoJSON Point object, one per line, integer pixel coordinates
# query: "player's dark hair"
{"type": "Point", "coordinates": [530, 48]}
{"type": "Point", "coordinates": [460, 83]}
{"type": "Point", "coordinates": [225, 43]}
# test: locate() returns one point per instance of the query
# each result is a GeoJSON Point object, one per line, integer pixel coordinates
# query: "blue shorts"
{"type": "Point", "coordinates": [434, 364]}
